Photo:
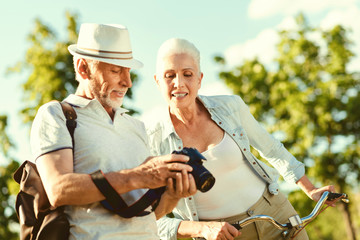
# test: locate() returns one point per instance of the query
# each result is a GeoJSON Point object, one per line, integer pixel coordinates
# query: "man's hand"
{"type": "Point", "coordinates": [156, 171]}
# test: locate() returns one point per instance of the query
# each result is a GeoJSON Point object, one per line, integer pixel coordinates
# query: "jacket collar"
{"type": "Point", "coordinates": [208, 102]}
{"type": "Point", "coordinates": [168, 127]}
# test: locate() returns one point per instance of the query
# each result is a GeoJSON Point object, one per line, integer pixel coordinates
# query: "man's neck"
{"type": "Point", "coordinates": [86, 93]}
{"type": "Point", "coordinates": [83, 90]}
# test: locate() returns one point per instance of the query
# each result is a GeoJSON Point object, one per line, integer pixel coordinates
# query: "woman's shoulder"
{"type": "Point", "coordinates": [156, 134]}
{"type": "Point", "coordinates": [221, 100]}
{"type": "Point", "coordinates": [156, 130]}
{"type": "Point", "coordinates": [157, 120]}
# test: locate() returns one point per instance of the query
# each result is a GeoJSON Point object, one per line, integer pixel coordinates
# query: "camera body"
{"type": "Point", "coordinates": [203, 178]}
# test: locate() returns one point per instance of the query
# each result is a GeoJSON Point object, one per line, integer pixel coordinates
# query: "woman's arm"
{"type": "Point", "coordinates": [273, 150]}
{"type": "Point", "coordinates": [269, 148]}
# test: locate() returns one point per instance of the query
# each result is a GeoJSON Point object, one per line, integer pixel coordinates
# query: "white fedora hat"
{"type": "Point", "coordinates": [108, 43]}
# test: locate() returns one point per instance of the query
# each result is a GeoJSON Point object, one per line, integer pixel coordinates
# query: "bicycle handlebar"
{"type": "Point", "coordinates": [325, 196]}
{"type": "Point", "coordinates": [294, 221]}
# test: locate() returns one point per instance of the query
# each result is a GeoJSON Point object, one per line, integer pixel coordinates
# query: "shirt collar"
{"type": "Point", "coordinates": [82, 102]}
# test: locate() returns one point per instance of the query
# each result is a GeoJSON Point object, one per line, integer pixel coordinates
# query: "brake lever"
{"type": "Point", "coordinates": [335, 196]}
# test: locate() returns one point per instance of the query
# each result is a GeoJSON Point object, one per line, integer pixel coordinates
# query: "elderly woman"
{"type": "Point", "coordinates": [222, 129]}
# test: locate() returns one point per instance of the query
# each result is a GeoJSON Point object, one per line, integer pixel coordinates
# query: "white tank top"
{"type": "Point", "coordinates": [237, 187]}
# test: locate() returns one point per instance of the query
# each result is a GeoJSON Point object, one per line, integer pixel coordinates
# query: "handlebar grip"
{"type": "Point", "coordinates": [333, 196]}
{"type": "Point", "coordinates": [237, 226]}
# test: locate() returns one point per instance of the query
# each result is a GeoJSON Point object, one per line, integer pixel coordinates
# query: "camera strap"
{"type": "Point", "coordinates": [115, 203]}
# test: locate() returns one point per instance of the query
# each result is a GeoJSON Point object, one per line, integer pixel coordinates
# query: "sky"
{"type": "Point", "coordinates": [235, 29]}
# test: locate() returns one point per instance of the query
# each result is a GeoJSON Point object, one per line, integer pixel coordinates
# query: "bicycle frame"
{"type": "Point", "coordinates": [295, 223]}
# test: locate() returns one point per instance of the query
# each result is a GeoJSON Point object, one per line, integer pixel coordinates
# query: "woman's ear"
{"type": "Point", "coordinates": [156, 79]}
{"type": "Point", "coordinates": [200, 78]}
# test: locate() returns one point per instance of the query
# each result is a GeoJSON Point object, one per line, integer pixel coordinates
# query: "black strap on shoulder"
{"type": "Point", "coordinates": [113, 201]}
{"type": "Point", "coordinates": [116, 204]}
{"type": "Point", "coordinates": [70, 116]}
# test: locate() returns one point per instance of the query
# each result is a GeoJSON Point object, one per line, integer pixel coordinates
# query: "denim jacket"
{"type": "Point", "coordinates": [232, 115]}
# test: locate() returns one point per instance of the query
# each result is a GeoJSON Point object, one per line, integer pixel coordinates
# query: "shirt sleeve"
{"type": "Point", "coordinates": [270, 148]}
{"type": "Point", "coordinates": [49, 132]}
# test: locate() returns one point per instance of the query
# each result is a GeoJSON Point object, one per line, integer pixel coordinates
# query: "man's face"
{"type": "Point", "coordinates": [109, 84]}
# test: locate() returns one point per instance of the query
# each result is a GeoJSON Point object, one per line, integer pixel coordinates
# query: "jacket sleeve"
{"type": "Point", "coordinates": [270, 148]}
{"type": "Point", "coordinates": [167, 227]}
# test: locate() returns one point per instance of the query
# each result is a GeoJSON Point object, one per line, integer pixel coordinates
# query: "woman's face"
{"type": "Point", "coordinates": [179, 80]}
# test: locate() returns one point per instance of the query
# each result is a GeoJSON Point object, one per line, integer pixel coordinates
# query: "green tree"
{"type": "Point", "coordinates": [309, 103]}
{"type": "Point", "coordinates": [8, 188]}
{"type": "Point", "coordinates": [49, 67]}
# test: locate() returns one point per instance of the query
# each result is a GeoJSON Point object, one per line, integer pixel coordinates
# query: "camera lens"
{"type": "Point", "coordinates": [203, 178]}
{"type": "Point", "coordinates": [205, 181]}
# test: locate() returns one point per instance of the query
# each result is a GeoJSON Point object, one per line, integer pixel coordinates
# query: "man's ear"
{"type": "Point", "coordinates": [83, 68]}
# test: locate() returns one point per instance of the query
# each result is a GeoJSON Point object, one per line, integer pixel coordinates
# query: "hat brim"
{"type": "Point", "coordinates": [129, 63]}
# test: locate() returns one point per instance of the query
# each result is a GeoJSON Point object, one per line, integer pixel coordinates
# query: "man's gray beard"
{"type": "Point", "coordinates": [104, 99]}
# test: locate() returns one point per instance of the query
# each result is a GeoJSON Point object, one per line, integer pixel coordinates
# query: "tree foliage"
{"type": "Point", "coordinates": [8, 187]}
{"type": "Point", "coordinates": [48, 67]}
{"type": "Point", "coordinates": [309, 101]}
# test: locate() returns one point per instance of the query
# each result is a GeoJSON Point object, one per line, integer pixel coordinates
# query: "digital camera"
{"type": "Point", "coordinates": [203, 178]}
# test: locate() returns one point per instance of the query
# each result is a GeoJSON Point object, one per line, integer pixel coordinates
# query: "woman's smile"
{"type": "Point", "coordinates": [179, 95]}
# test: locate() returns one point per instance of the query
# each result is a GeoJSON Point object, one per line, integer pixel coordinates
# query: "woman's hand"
{"type": "Point", "coordinates": [313, 192]}
{"type": "Point", "coordinates": [219, 230]}
{"type": "Point", "coordinates": [183, 186]}
{"type": "Point", "coordinates": [316, 194]}
{"type": "Point", "coordinates": [208, 230]}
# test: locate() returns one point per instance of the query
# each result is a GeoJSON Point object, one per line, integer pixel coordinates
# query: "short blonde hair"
{"type": "Point", "coordinates": [177, 46]}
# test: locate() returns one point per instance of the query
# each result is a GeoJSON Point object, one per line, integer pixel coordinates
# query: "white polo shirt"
{"type": "Point", "coordinates": [100, 143]}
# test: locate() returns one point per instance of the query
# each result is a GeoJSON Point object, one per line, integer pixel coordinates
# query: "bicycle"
{"type": "Point", "coordinates": [295, 224]}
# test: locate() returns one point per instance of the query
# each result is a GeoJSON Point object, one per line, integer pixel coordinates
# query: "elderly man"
{"type": "Point", "coordinates": [106, 139]}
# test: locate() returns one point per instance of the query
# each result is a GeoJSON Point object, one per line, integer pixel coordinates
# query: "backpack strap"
{"type": "Point", "coordinates": [114, 201]}
{"type": "Point", "coordinates": [70, 116]}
